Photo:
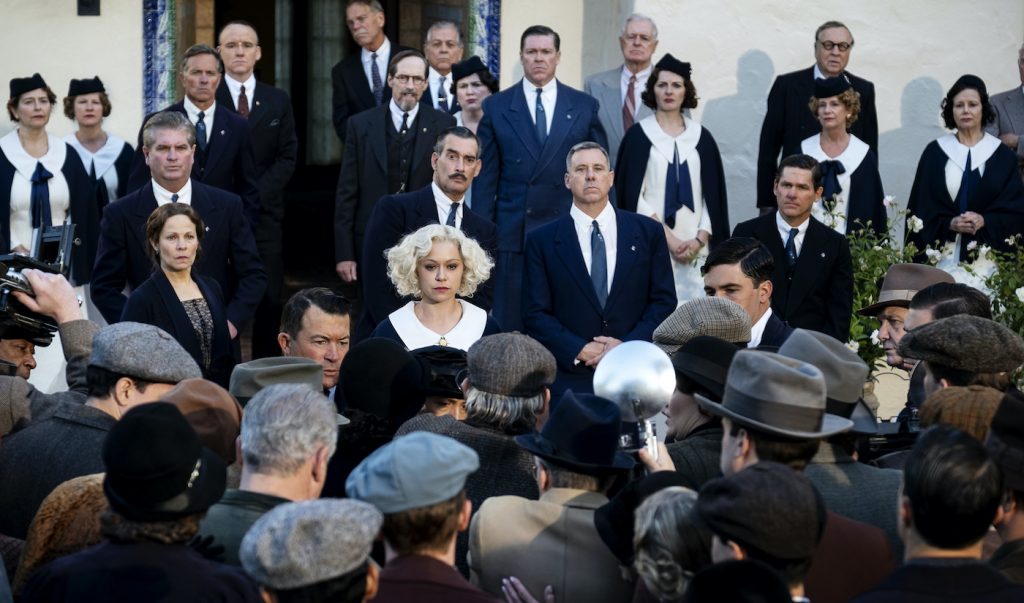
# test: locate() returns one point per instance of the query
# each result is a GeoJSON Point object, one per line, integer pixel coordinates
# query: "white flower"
{"type": "Point", "coordinates": [983, 251]}
{"type": "Point", "coordinates": [888, 201]}
{"type": "Point", "coordinates": [877, 247]}
{"type": "Point", "coordinates": [853, 345]}
{"type": "Point", "coordinates": [1020, 294]}
{"type": "Point", "coordinates": [914, 223]}
{"type": "Point", "coordinates": [874, 335]}
{"type": "Point", "coordinates": [972, 246]}
{"type": "Point", "coordinates": [933, 254]}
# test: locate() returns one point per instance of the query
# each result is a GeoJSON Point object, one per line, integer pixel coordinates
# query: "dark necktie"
{"type": "Point", "coordinates": [629, 105]}
{"type": "Point", "coordinates": [174, 198]}
{"type": "Point", "coordinates": [678, 189]}
{"type": "Point", "coordinates": [542, 120]}
{"type": "Point", "coordinates": [442, 96]}
{"type": "Point", "coordinates": [791, 248]}
{"type": "Point", "coordinates": [830, 170]}
{"type": "Point", "coordinates": [405, 125]}
{"type": "Point", "coordinates": [377, 85]}
{"type": "Point", "coordinates": [39, 203]}
{"type": "Point", "coordinates": [201, 132]}
{"type": "Point", "coordinates": [598, 264]}
{"type": "Point", "coordinates": [451, 215]}
{"type": "Point", "coordinates": [968, 184]}
{"type": "Point", "coordinates": [243, 103]}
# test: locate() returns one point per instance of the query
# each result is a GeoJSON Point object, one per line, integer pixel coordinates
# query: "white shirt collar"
{"type": "Point", "coordinates": [383, 53]}
{"type": "Point", "coordinates": [163, 196]}
{"type": "Point", "coordinates": [757, 330]}
{"type": "Point", "coordinates": [193, 112]}
{"type": "Point", "coordinates": [641, 76]}
{"type": "Point", "coordinates": [605, 219]}
{"type": "Point", "coordinates": [784, 229]}
{"type": "Point", "coordinates": [234, 87]}
{"type": "Point", "coordinates": [444, 205]}
{"type": "Point", "coordinates": [396, 114]}
{"type": "Point", "coordinates": [531, 90]}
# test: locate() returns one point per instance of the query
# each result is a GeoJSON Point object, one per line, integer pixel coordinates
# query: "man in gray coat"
{"type": "Point", "coordinates": [1009, 122]}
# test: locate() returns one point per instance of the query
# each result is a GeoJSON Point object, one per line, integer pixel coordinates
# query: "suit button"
{"type": "Point", "coordinates": [604, 323]}
{"type": "Point", "coordinates": [529, 211]}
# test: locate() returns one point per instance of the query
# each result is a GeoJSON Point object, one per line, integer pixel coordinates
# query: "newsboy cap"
{"type": "Point", "coordinates": [901, 283]}
{"type": "Point", "coordinates": [713, 316]}
{"type": "Point", "coordinates": [214, 414]}
{"type": "Point", "coordinates": [303, 543]}
{"type": "Point", "coordinates": [767, 507]}
{"type": "Point", "coordinates": [1005, 441]}
{"type": "Point", "coordinates": [416, 470]}
{"type": "Point", "coordinates": [965, 343]}
{"type": "Point", "coordinates": [510, 364]}
{"type": "Point", "coordinates": [144, 352]}
{"type": "Point", "coordinates": [969, 409]}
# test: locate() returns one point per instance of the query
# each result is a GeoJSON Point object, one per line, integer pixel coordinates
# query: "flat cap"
{"type": "Point", "coordinates": [144, 352]}
{"type": "Point", "coordinates": [1005, 441]}
{"type": "Point", "coordinates": [416, 470]}
{"type": "Point", "coordinates": [250, 377]}
{"type": "Point", "coordinates": [901, 283]}
{"type": "Point", "coordinates": [712, 316]}
{"type": "Point", "coordinates": [510, 364]}
{"type": "Point", "coordinates": [302, 543]}
{"type": "Point", "coordinates": [966, 343]}
{"type": "Point", "coordinates": [213, 413]}
{"type": "Point", "coordinates": [970, 409]}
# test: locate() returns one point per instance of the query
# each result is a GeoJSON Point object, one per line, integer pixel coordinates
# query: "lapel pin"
{"type": "Point", "coordinates": [823, 254]}
{"type": "Point", "coordinates": [632, 247]}
{"type": "Point", "coordinates": [207, 229]}
{"type": "Point", "coordinates": [257, 103]}
{"type": "Point", "coordinates": [222, 132]}
{"type": "Point", "coordinates": [424, 130]}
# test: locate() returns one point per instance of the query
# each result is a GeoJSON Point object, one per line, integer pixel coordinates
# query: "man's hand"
{"type": "Point", "coordinates": [1010, 139]}
{"type": "Point", "coordinates": [54, 296]}
{"type": "Point", "coordinates": [515, 592]}
{"type": "Point", "coordinates": [664, 462]}
{"type": "Point", "coordinates": [590, 351]}
{"type": "Point", "coordinates": [608, 343]}
{"type": "Point", "coordinates": [347, 271]}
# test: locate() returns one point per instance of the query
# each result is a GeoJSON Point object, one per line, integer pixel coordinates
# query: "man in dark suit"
{"type": "Point", "coordinates": [812, 283]}
{"type": "Point", "coordinates": [740, 269]}
{"type": "Point", "coordinates": [228, 253]}
{"type": "Point", "coordinates": [524, 134]}
{"type": "Point", "coordinates": [387, 151]}
{"type": "Point", "coordinates": [456, 162]}
{"type": "Point", "coordinates": [789, 121]}
{"type": "Point", "coordinates": [443, 48]}
{"type": "Point", "coordinates": [358, 81]}
{"type": "Point", "coordinates": [223, 156]}
{"type": "Point", "coordinates": [275, 148]}
{"type": "Point", "coordinates": [595, 277]}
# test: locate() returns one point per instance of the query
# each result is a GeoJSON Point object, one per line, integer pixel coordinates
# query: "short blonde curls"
{"type": "Point", "coordinates": [405, 257]}
{"type": "Point", "coordinates": [850, 99]}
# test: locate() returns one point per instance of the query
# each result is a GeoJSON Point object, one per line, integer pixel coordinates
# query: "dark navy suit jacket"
{"type": "Point", "coordinates": [227, 251]}
{"type": "Point", "coordinates": [393, 217]}
{"type": "Point", "coordinates": [229, 163]}
{"type": "Point", "coordinates": [522, 185]}
{"type": "Point", "coordinates": [561, 309]}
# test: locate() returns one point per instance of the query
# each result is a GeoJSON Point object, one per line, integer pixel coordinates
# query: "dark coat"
{"type": "Point", "coordinates": [44, 455]}
{"type": "Point", "coordinates": [155, 303]}
{"type": "Point", "coordinates": [999, 199]}
{"type": "Point", "coordinates": [697, 456]}
{"type": "Point", "coordinates": [1009, 560]}
{"type": "Point", "coordinates": [228, 254]}
{"type": "Point", "coordinates": [84, 211]}
{"type": "Point", "coordinates": [789, 121]}
{"type": "Point", "coordinates": [776, 332]}
{"type": "Point", "coordinates": [631, 166]}
{"type": "Point", "coordinates": [819, 295]}
{"type": "Point", "coordinates": [852, 558]}
{"type": "Point", "coordinates": [232, 516]}
{"type": "Point", "coordinates": [351, 91]}
{"type": "Point", "coordinates": [229, 163]}
{"type": "Point", "coordinates": [393, 217]}
{"type": "Point", "coordinates": [934, 580]}
{"type": "Point", "coordinates": [426, 580]}
{"type": "Point", "coordinates": [363, 179]}
{"type": "Point", "coordinates": [561, 309]}
{"type": "Point", "coordinates": [140, 571]}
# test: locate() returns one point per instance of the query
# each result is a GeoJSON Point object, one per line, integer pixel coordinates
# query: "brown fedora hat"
{"type": "Point", "coordinates": [901, 283]}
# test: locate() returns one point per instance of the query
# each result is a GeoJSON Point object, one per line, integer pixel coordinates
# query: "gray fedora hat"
{"type": "Point", "coordinates": [844, 371]}
{"type": "Point", "coordinates": [777, 395]}
{"type": "Point", "coordinates": [901, 282]}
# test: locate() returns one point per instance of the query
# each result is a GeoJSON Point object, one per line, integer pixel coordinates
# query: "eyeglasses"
{"type": "Point", "coordinates": [405, 79]}
{"type": "Point", "coordinates": [842, 46]}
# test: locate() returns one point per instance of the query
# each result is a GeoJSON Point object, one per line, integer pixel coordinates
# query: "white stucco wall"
{"type": "Point", "coordinates": [48, 36]}
{"type": "Point", "coordinates": [564, 16]}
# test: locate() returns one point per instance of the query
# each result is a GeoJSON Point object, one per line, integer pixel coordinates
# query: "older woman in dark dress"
{"type": "Point", "coordinates": [106, 158]}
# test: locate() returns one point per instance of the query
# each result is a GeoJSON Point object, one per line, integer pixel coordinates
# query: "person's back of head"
{"type": "Point", "coordinates": [951, 491]}
{"type": "Point", "coordinates": [753, 257]}
{"type": "Point", "coordinates": [669, 544]}
{"type": "Point", "coordinates": [949, 299]}
{"type": "Point", "coordinates": [508, 377]}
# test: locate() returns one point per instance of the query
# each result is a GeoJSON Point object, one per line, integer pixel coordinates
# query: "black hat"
{"type": "Point", "coordinates": [582, 435]}
{"type": "Point", "coordinates": [380, 377]}
{"type": "Point", "coordinates": [830, 86]}
{"type": "Point", "coordinates": [77, 87]}
{"type": "Point", "coordinates": [442, 369]}
{"type": "Point", "coordinates": [670, 63]}
{"type": "Point", "coordinates": [614, 519]}
{"type": "Point", "coordinates": [156, 467]}
{"type": "Point", "coordinates": [1005, 441]}
{"type": "Point", "coordinates": [738, 581]}
{"type": "Point", "coordinates": [706, 361]}
{"type": "Point", "coordinates": [468, 67]}
{"type": "Point", "coordinates": [16, 331]}
{"type": "Point", "coordinates": [21, 85]}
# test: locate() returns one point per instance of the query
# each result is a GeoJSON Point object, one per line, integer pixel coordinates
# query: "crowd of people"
{"type": "Point", "coordinates": [430, 428]}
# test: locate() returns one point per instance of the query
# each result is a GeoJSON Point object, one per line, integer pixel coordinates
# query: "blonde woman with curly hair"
{"type": "Point", "coordinates": [434, 265]}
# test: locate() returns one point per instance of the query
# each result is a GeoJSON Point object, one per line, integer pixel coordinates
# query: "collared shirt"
{"type": "Point", "coordinates": [434, 78]}
{"type": "Point", "coordinates": [609, 230]}
{"type": "Point", "coordinates": [382, 62]}
{"type": "Point", "coordinates": [396, 114]}
{"type": "Point", "coordinates": [638, 87]}
{"type": "Point", "coordinates": [163, 196]}
{"type": "Point", "coordinates": [193, 115]}
{"type": "Point", "coordinates": [234, 87]}
{"type": "Point", "coordinates": [548, 98]}
{"type": "Point", "coordinates": [784, 228]}
{"type": "Point", "coordinates": [757, 331]}
{"type": "Point", "coordinates": [444, 206]}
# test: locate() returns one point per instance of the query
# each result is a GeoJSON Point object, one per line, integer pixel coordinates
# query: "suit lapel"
{"type": "Point", "coordinates": [422, 150]}
{"type": "Point", "coordinates": [185, 332]}
{"type": "Point", "coordinates": [145, 206]}
{"type": "Point", "coordinates": [426, 209]}
{"type": "Point", "coordinates": [625, 257]}
{"type": "Point", "coordinates": [518, 116]}
{"type": "Point", "coordinates": [567, 248]}
{"type": "Point", "coordinates": [561, 122]}
{"type": "Point", "coordinates": [257, 108]}
{"type": "Point", "coordinates": [768, 233]}
{"type": "Point", "coordinates": [219, 136]}
{"type": "Point", "coordinates": [608, 98]}
{"type": "Point", "coordinates": [378, 138]}
{"type": "Point", "coordinates": [356, 74]}
{"type": "Point", "coordinates": [811, 261]}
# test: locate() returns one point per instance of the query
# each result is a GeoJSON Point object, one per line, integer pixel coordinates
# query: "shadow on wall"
{"type": "Point", "coordinates": [735, 122]}
{"type": "Point", "coordinates": [920, 123]}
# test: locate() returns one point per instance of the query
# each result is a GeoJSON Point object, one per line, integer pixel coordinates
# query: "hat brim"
{"type": "Point", "coordinates": [535, 444]}
{"type": "Point", "coordinates": [878, 306]}
{"type": "Point", "coordinates": [205, 491]}
{"type": "Point", "coordinates": [830, 424]}
{"type": "Point", "coordinates": [864, 421]}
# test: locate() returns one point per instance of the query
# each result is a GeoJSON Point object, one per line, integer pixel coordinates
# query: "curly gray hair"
{"type": "Point", "coordinates": [283, 425]}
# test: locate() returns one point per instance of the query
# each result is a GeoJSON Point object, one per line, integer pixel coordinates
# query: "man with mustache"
{"type": "Point", "coordinates": [387, 151]}
{"type": "Point", "coordinates": [456, 161]}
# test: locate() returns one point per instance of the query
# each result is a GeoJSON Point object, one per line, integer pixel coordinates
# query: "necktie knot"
{"type": "Point", "coordinates": [174, 198]}
{"type": "Point", "coordinates": [202, 115]}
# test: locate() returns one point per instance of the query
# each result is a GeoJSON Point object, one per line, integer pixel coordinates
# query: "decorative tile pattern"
{"type": "Point", "coordinates": [159, 33]}
{"type": "Point", "coordinates": [485, 33]}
